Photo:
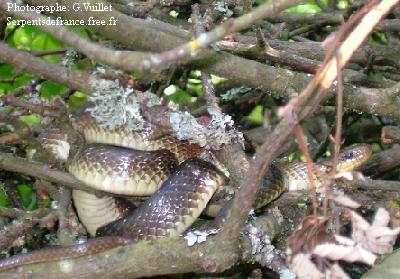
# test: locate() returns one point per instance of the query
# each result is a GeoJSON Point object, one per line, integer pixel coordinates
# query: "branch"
{"type": "Point", "coordinates": [50, 111]}
{"type": "Point", "coordinates": [390, 134]}
{"type": "Point", "coordinates": [383, 101]}
{"type": "Point", "coordinates": [382, 185]}
{"type": "Point", "coordinates": [205, 39]}
{"type": "Point", "coordinates": [25, 222]}
{"type": "Point", "coordinates": [317, 18]}
{"type": "Point", "coordinates": [315, 51]}
{"type": "Point", "coordinates": [23, 166]}
{"type": "Point", "coordinates": [208, 87]}
{"type": "Point", "coordinates": [382, 162]}
{"type": "Point", "coordinates": [392, 25]}
{"type": "Point", "coordinates": [28, 63]}
{"type": "Point", "coordinates": [279, 56]}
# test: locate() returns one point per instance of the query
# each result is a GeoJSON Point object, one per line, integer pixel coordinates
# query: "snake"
{"type": "Point", "coordinates": [179, 183]}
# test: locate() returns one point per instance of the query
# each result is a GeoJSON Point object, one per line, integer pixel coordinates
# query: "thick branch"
{"type": "Point", "coordinates": [319, 18]}
{"type": "Point", "coordinates": [28, 63]}
{"type": "Point", "coordinates": [23, 166]}
{"type": "Point", "coordinates": [390, 134]}
{"type": "Point", "coordinates": [381, 162]}
{"type": "Point", "coordinates": [383, 185]}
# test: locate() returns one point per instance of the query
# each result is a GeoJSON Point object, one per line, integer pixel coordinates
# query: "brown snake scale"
{"type": "Point", "coordinates": [181, 191]}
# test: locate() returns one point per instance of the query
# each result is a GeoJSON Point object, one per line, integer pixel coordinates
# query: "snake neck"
{"type": "Point", "coordinates": [273, 185]}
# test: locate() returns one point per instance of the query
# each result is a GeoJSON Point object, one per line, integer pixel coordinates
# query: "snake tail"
{"type": "Point", "coordinates": [64, 252]}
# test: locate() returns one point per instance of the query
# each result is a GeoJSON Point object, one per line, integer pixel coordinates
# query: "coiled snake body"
{"type": "Point", "coordinates": [182, 191]}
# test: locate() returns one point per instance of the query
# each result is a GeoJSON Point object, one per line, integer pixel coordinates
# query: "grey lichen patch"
{"type": "Point", "coordinates": [69, 58]}
{"type": "Point", "coordinates": [218, 132]}
{"type": "Point", "coordinates": [234, 92]}
{"type": "Point", "coordinates": [153, 100]}
{"type": "Point", "coordinates": [197, 236]}
{"type": "Point", "coordinates": [261, 247]}
{"type": "Point", "coordinates": [222, 7]}
{"type": "Point", "coordinates": [286, 274]}
{"type": "Point", "coordinates": [115, 106]}
{"type": "Point", "coordinates": [66, 266]}
{"type": "Point", "coordinates": [278, 215]}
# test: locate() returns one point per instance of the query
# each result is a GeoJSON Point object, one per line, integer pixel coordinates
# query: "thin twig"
{"type": "Point", "coordinates": [208, 87]}
{"type": "Point", "coordinates": [19, 213]}
{"type": "Point", "coordinates": [310, 165]}
{"type": "Point", "coordinates": [49, 52]}
{"type": "Point", "coordinates": [22, 226]}
{"type": "Point", "coordinates": [65, 237]}
{"type": "Point", "coordinates": [203, 40]}
{"type": "Point", "coordinates": [40, 109]}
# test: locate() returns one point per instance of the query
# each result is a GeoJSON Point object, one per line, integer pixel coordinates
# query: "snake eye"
{"type": "Point", "coordinates": [349, 155]}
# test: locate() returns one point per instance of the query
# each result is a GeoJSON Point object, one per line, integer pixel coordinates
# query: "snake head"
{"type": "Point", "coordinates": [353, 157]}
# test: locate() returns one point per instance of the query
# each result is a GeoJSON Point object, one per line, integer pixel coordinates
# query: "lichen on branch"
{"type": "Point", "coordinates": [116, 106]}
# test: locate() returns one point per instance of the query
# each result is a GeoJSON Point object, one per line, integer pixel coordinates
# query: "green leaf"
{"type": "Point", "coordinates": [309, 8]}
{"type": "Point", "coordinates": [195, 74]}
{"type": "Point", "coordinates": [29, 199]}
{"type": "Point", "coordinates": [45, 202]}
{"type": "Point", "coordinates": [23, 36]}
{"type": "Point", "coordinates": [196, 87]}
{"type": "Point", "coordinates": [9, 29]}
{"type": "Point", "coordinates": [173, 14]}
{"type": "Point", "coordinates": [343, 4]}
{"type": "Point", "coordinates": [302, 205]}
{"type": "Point", "coordinates": [257, 115]}
{"type": "Point", "coordinates": [77, 99]}
{"type": "Point", "coordinates": [376, 148]}
{"type": "Point", "coordinates": [44, 41]}
{"type": "Point", "coordinates": [22, 80]}
{"type": "Point", "coordinates": [181, 96]}
{"type": "Point", "coordinates": [49, 88]}
{"type": "Point", "coordinates": [30, 119]}
{"type": "Point", "coordinates": [291, 157]}
{"type": "Point", "coordinates": [217, 79]}
{"type": "Point", "coordinates": [3, 196]}
{"type": "Point", "coordinates": [6, 71]}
